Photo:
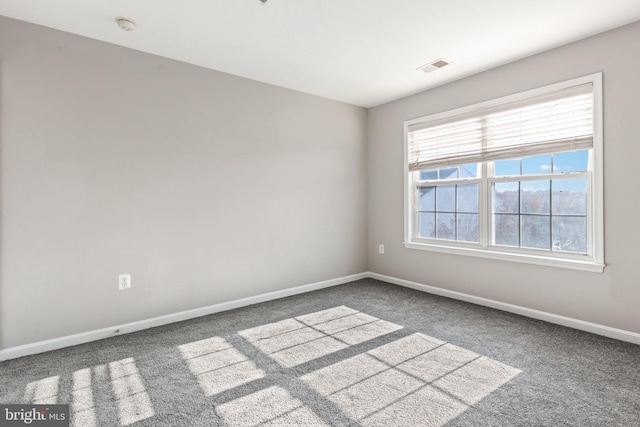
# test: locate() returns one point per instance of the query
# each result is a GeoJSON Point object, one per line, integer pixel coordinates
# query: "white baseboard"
{"type": "Point", "coordinates": [98, 334]}
{"type": "Point", "coordinates": [594, 328]}
{"type": "Point", "coordinates": [85, 337]}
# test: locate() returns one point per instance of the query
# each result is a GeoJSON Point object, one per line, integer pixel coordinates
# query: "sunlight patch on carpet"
{"type": "Point", "coordinates": [128, 387]}
{"type": "Point", "coordinates": [328, 315]}
{"type": "Point", "coordinates": [294, 356]}
{"type": "Point", "coordinates": [476, 380]}
{"type": "Point", "coordinates": [270, 406]}
{"type": "Point", "coordinates": [42, 391]}
{"type": "Point", "coordinates": [271, 330]}
{"type": "Point", "coordinates": [417, 379]}
{"type": "Point", "coordinates": [373, 394]}
{"type": "Point", "coordinates": [218, 366]}
{"type": "Point", "coordinates": [427, 406]}
{"type": "Point", "coordinates": [82, 399]}
{"type": "Point", "coordinates": [367, 332]}
{"type": "Point", "coordinates": [292, 342]}
{"type": "Point", "coordinates": [287, 340]}
{"type": "Point", "coordinates": [344, 323]}
{"type": "Point", "coordinates": [343, 374]}
{"type": "Point", "coordinates": [202, 347]}
{"type": "Point", "coordinates": [437, 363]}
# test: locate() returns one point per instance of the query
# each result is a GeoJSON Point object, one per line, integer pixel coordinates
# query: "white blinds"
{"type": "Point", "coordinates": [550, 123]}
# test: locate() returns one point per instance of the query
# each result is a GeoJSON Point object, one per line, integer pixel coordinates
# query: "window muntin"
{"type": "Point", "coordinates": [448, 200]}
{"type": "Point", "coordinates": [547, 211]}
{"type": "Point", "coordinates": [539, 202]}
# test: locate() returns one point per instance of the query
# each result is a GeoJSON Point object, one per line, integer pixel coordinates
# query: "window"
{"type": "Point", "coordinates": [517, 178]}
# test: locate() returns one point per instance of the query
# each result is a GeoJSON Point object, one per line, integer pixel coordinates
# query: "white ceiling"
{"type": "Point", "coordinates": [363, 52]}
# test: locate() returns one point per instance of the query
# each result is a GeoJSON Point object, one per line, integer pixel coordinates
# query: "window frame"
{"type": "Point", "coordinates": [593, 261]}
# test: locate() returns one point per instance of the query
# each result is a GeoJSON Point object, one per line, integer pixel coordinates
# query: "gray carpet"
{"type": "Point", "coordinates": [364, 353]}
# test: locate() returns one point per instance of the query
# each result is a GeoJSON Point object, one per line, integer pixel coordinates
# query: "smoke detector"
{"type": "Point", "coordinates": [126, 23]}
{"type": "Point", "coordinates": [432, 66]}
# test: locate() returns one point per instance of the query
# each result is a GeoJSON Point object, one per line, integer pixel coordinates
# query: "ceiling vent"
{"type": "Point", "coordinates": [438, 63]}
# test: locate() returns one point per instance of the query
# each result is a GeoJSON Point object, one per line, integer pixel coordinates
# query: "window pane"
{"type": "Point", "coordinates": [427, 199]}
{"type": "Point", "coordinates": [427, 226]}
{"type": "Point", "coordinates": [468, 198]}
{"type": "Point", "coordinates": [429, 174]}
{"type": "Point", "coordinates": [506, 197]}
{"type": "Point", "coordinates": [469, 171]}
{"type": "Point", "coordinates": [535, 165]}
{"type": "Point", "coordinates": [534, 197]}
{"type": "Point", "coordinates": [535, 232]}
{"type": "Point", "coordinates": [468, 227]}
{"type": "Point", "coordinates": [446, 226]}
{"type": "Point", "coordinates": [446, 198]}
{"type": "Point", "coordinates": [575, 161]}
{"type": "Point", "coordinates": [507, 167]}
{"type": "Point", "coordinates": [570, 234]}
{"type": "Point", "coordinates": [448, 173]}
{"type": "Point", "coordinates": [569, 197]}
{"type": "Point", "coordinates": [506, 230]}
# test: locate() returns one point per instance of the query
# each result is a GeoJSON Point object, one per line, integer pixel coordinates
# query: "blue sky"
{"type": "Point", "coordinates": [573, 161]}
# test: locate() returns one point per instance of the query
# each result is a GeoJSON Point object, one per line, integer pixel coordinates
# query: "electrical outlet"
{"type": "Point", "coordinates": [381, 248]}
{"type": "Point", "coordinates": [124, 281]}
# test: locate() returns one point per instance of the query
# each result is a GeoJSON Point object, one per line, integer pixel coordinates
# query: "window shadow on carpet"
{"type": "Point", "coordinates": [413, 379]}
{"type": "Point", "coordinates": [338, 366]}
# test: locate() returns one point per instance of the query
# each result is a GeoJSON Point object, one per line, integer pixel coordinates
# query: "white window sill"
{"type": "Point", "coordinates": [585, 264]}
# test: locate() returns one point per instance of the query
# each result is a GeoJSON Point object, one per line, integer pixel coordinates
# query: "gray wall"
{"type": "Point", "coordinates": [611, 298]}
{"type": "Point", "coordinates": [204, 186]}
{"type": "Point", "coordinates": [208, 187]}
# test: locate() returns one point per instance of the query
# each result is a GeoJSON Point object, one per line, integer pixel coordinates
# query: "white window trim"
{"type": "Point", "coordinates": [593, 262]}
